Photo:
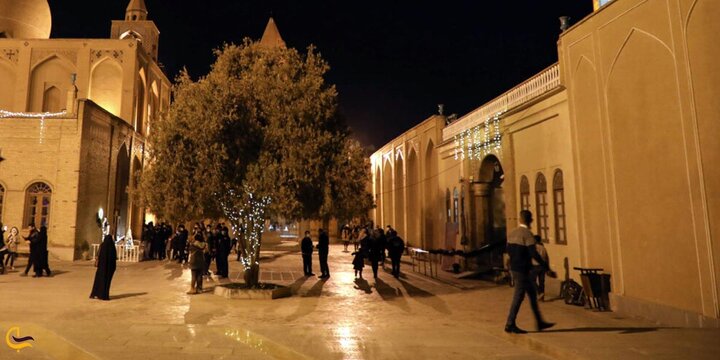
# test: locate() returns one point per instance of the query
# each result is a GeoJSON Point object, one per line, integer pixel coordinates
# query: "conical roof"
{"type": "Point", "coordinates": [137, 5]}
{"type": "Point", "coordinates": [271, 36]}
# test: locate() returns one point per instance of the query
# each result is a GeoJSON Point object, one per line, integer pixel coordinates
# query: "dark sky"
{"type": "Point", "coordinates": [392, 61]}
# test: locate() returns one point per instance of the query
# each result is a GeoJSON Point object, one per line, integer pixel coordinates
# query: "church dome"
{"type": "Point", "coordinates": [25, 19]}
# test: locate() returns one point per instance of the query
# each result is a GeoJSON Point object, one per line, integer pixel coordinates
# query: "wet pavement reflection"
{"type": "Point", "coordinates": [339, 318]}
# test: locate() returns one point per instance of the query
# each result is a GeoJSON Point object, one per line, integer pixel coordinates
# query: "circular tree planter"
{"type": "Point", "coordinates": [263, 292]}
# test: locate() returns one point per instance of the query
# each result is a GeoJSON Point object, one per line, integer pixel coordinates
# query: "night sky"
{"type": "Point", "coordinates": [392, 61]}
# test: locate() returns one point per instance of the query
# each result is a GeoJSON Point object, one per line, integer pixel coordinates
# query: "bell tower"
{"type": "Point", "coordinates": [137, 26]}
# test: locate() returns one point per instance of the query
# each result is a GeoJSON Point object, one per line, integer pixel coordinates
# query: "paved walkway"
{"type": "Point", "coordinates": [150, 317]}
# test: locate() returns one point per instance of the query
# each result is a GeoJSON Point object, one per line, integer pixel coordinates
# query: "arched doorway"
{"type": "Point", "coordinates": [490, 216]}
{"type": "Point", "coordinates": [122, 177]}
{"type": "Point", "coordinates": [413, 196]}
{"type": "Point", "coordinates": [399, 192]}
{"type": "Point", "coordinates": [387, 193]}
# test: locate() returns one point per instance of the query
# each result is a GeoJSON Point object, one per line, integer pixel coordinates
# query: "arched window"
{"type": "Point", "coordinates": [456, 204]}
{"type": "Point", "coordinates": [448, 210]}
{"type": "Point", "coordinates": [541, 203]}
{"type": "Point", "coordinates": [524, 193]}
{"type": "Point", "coordinates": [559, 203]}
{"type": "Point", "coordinates": [2, 198]}
{"type": "Point", "coordinates": [37, 205]}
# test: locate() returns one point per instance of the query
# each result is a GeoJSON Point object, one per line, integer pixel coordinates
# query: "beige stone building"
{"type": "Point", "coordinates": [75, 114]}
{"type": "Point", "coordinates": [612, 149]}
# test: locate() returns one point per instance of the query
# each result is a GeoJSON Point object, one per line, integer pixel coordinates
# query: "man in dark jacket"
{"type": "Point", "coordinates": [34, 261]}
{"type": "Point", "coordinates": [376, 250]}
{"type": "Point", "coordinates": [306, 247]}
{"type": "Point", "coordinates": [323, 248]}
{"type": "Point", "coordinates": [224, 243]}
{"type": "Point", "coordinates": [521, 248]}
{"type": "Point", "coordinates": [396, 246]}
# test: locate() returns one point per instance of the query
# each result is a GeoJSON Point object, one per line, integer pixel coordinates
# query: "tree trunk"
{"type": "Point", "coordinates": [253, 237]}
{"type": "Point", "coordinates": [252, 276]}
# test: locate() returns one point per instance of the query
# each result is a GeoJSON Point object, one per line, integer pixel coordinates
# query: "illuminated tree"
{"type": "Point", "coordinates": [259, 136]}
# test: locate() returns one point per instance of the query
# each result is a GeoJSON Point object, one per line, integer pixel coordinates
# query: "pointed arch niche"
{"type": "Point", "coordinates": [106, 85]}
{"type": "Point", "coordinates": [387, 193]}
{"type": "Point", "coordinates": [49, 84]}
{"type": "Point", "coordinates": [431, 210]}
{"type": "Point", "coordinates": [399, 192]}
{"type": "Point", "coordinates": [413, 197]}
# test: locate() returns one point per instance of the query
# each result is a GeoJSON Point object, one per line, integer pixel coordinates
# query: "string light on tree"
{"type": "Point", "coordinates": [246, 213]}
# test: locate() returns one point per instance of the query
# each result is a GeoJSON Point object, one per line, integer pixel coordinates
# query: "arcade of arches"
{"type": "Point", "coordinates": [617, 177]}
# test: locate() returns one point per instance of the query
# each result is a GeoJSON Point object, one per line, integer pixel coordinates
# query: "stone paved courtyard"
{"type": "Point", "coordinates": [151, 317]}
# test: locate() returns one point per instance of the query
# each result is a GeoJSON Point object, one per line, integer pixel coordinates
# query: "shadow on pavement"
{"type": "Point", "coordinates": [122, 296]}
{"type": "Point", "coordinates": [364, 285]}
{"type": "Point", "coordinates": [316, 289]}
{"type": "Point", "coordinates": [308, 306]}
{"type": "Point", "coordinates": [386, 291]}
{"type": "Point", "coordinates": [176, 270]}
{"type": "Point", "coordinates": [621, 330]}
{"type": "Point", "coordinates": [295, 286]}
{"type": "Point", "coordinates": [58, 272]}
{"type": "Point", "coordinates": [425, 297]}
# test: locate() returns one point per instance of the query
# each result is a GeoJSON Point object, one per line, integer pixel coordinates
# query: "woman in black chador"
{"type": "Point", "coordinates": [105, 263]}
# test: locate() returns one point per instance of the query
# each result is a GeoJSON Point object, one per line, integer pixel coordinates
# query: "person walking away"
{"type": "Point", "coordinates": [323, 247]}
{"type": "Point", "coordinates": [375, 250]}
{"type": "Point", "coordinates": [33, 261]}
{"type": "Point", "coordinates": [12, 243]}
{"type": "Point", "coordinates": [43, 251]}
{"type": "Point", "coordinates": [396, 246]}
{"type": "Point", "coordinates": [538, 271]}
{"type": "Point", "coordinates": [198, 247]}
{"type": "Point", "coordinates": [306, 248]}
{"type": "Point", "coordinates": [383, 245]}
{"type": "Point", "coordinates": [521, 248]}
{"type": "Point", "coordinates": [105, 263]}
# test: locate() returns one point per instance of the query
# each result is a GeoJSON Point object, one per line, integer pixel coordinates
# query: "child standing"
{"type": "Point", "coordinates": [358, 263]}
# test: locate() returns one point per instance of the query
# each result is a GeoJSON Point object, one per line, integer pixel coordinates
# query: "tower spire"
{"type": "Point", "coordinates": [271, 36]}
{"type": "Point", "coordinates": [136, 11]}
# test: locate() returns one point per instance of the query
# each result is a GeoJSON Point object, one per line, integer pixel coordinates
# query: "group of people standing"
{"type": "Point", "coordinates": [207, 244]}
{"type": "Point", "coordinates": [372, 245]}
{"type": "Point", "coordinates": [323, 249]}
{"type": "Point", "coordinates": [38, 257]}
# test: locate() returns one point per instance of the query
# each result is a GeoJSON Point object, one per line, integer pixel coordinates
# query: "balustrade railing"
{"type": "Point", "coordinates": [124, 253]}
{"type": "Point", "coordinates": [539, 84]}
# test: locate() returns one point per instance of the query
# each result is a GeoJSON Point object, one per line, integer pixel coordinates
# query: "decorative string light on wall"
{"type": "Point", "coordinates": [33, 115]}
{"type": "Point", "coordinates": [480, 140]}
